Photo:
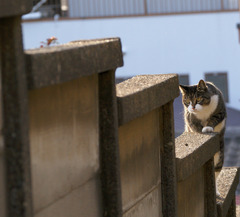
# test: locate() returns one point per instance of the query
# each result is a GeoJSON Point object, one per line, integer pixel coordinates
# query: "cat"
{"type": "Point", "coordinates": [205, 112]}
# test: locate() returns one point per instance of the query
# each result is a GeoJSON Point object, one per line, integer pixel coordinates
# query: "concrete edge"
{"type": "Point", "coordinates": [54, 65]}
{"type": "Point", "coordinates": [109, 147]}
{"type": "Point", "coordinates": [10, 8]}
{"type": "Point", "coordinates": [193, 150]}
{"type": "Point", "coordinates": [141, 94]}
{"type": "Point", "coordinates": [227, 185]}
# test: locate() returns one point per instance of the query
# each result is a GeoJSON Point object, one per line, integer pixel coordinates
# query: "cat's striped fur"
{"type": "Point", "coordinates": [204, 111]}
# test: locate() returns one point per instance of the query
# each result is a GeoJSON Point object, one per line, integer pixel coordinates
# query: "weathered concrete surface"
{"type": "Point", "coordinates": [168, 163]}
{"type": "Point", "coordinates": [109, 146]}
{"type": "Point", "coordinates": [64, 139]}
{"type": "Point", "coordinates": [148, 206]}
{"type": "Point", "coordinates": [53, 65]}
{"type": "Point", "coordinates": [14, 103]}
{"type": "Point", "coordinates": [191, 195]}
{"type": "Point", "coordinates": [192, 151]}
{"type": "Point", "coordinates": [227, 183]}
{"type": "Point", "coordinates": [82, 201]}
{"type": "Point", "coordinates": [9, 8]}
{"type": "Point", "coordinates": [2, 179]}
{"type": "Point", "coordinates": [210, 189]}
{"type": "Point", "coordinates": [142, 94]}
{"type": "Point", "coordinates": [139, 145]}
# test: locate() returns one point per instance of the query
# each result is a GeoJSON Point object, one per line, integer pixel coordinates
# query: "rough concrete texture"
{"type": "Point", "coordinates": [63, 138]}
{"type": "Point", "coordinates": [53, 65]}
{"type": "Point", "coordinates": [226, 183]}
{"type": "Point", "coordinates": [2, 179]}
{"type": "Point", "coordinates": [14, 104]}
{"type": "Point", "coordinates": [141, 94]}
{"type": "Point", "coordinates": [168, 163]}
{"type": "Point", "coordinates": [9, 8]}
{"type": "Point", "coordinates": [139, 144]}
{"type": "Point", "coordinates": [192, 151]}
{"type": "Point", "coordinates": [109, 148]}
{"type": "Point", "coordinates": [191, 201]}
{"type": "Point", "coordinates": [149, 206]}
{"type": "Point", "coordinates": [82, 201]}
{"type": "Point", "coordinates": [209, 189]}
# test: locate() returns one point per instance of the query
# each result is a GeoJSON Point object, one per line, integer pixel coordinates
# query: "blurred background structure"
{"type": "Point", "coordinates": [113, 8]}
{"type": "Point", "coordinates": [195, 39]}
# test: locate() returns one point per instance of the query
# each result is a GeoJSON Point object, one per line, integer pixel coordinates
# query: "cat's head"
{"type": "Point", "coordinates": [195, 97]}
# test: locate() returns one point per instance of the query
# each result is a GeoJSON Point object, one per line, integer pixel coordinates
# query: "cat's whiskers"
{"type": "Point", "coordinates": [182, 112]}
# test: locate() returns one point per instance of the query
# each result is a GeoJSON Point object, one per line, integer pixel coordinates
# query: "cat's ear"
{"type": "Point", "coordinates": [183, 89]}
{"type": "Point", "coordinates": [201, 86]}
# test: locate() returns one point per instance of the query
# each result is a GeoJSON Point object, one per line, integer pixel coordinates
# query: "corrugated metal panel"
{"type": "Point", "coordinates": [230, 4]}
{"type": "Point", "coordinates": [99, 8]}
{"type": "Point", "coordinates": [177, 6]}
{"type": "Point", "coordinates": [102, 8]}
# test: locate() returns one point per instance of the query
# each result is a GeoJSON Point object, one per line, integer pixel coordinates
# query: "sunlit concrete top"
{"type": "Point", "coordinates": [53, 65]}
{"type": "Point", "coordinates": [193, 150]}
{"type": "Point", "coordinates": [144, 93]}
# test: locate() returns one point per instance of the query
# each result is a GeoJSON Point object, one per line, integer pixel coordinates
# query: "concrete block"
{"type": "Point", "coordinates": [109, 147]}
{"type": "Point", "coordinates": [82, 201]}
{"type": "Point", "coordinates": [63, 137]}
{"type": "Point", "coordinates": [54, 65]}
{"type": "Point", "coordinates": [142, 94]}
{"type": "Point", "coordinates": [227, 183]}
{"type": "Point", "coordinates": [14, 110]}
{"type": "Point", "coordinates": [150, 205]}
{"type": "Point", "coordinates": [139, 145]}
{"type": "Point", "coordinates": [2, 181]}
{"type": "Point", "coordinates": [9, 8]}
{"type": "Point", "coordinates": [168, 162]}
{"type": "Point", "coordinates": [193, 150]}
{"type": "Point", "coordinates": [191, 195]}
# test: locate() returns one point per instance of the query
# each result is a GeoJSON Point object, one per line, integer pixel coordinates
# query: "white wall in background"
{"type": "Point", "coordinates": [193, 44]}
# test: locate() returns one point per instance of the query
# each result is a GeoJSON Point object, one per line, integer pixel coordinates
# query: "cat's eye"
{"type": "Point", "coordinates": [199, 99]}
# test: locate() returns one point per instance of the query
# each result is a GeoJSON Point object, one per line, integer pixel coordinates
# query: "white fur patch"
{"type": "Point", "coordinates": [203, 112]}
{"type": "Point", "coordinates": [190, 109]}
{"type": "Point", "coordinates": [194, 110]}
{"type": "Point", "coordinates": [199, 107]}
{"type": "Point", "coordinates": [207, 129]}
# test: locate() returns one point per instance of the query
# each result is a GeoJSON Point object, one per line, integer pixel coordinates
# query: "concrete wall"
{"type": "Point", "coordinates": [64, 146]}
{"type": "Point", "coordinates": [139, 144]}
{"type": "Point", "coordinates": [194, 44]}
{"type": "Point", "coordinates": [2, 181]}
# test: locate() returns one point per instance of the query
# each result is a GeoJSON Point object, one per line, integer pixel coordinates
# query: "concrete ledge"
{"type": "Point", "coordinates": [9, 8]}
{"type": "Point", "coordinates": [142, 94]}
{"type": "Point", "coordinates": [53, 65]}
{"type": "Point", "coordinates": [227, 184]}
{"type": "Point", "coordinates": [192, 151]}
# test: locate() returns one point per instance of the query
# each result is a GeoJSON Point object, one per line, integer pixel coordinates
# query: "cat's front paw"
{"type": "Point", "coordinates": [207, 129]}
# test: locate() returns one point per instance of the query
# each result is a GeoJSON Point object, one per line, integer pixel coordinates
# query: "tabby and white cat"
{"type": "Point", "coordinates": [204, 112]}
